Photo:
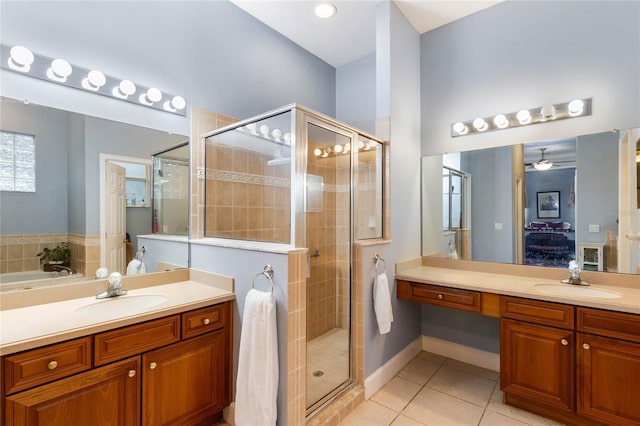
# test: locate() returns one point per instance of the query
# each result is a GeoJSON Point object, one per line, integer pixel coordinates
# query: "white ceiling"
{"type": "Point", "coordinates": [351, 33]}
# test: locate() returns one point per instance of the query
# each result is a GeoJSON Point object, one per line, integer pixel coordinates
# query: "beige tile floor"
{"type": "Point", "coordinates": [437, 391]}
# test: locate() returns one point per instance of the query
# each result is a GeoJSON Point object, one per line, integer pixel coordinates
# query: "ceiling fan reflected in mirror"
{"type": "Point", "coordinates": [544, 163]}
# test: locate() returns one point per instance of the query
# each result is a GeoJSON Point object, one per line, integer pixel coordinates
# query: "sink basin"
{"type": "Point", "coordinates": [574, 290]}
{"type": "Point", "coordinates": [122, 305]}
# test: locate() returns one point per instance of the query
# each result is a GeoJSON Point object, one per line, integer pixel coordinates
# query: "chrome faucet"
{"type": "Point", "coordinates": [574, 275]}
{"type": "Point", "coordinates": [115, 287]}
{"type": "Point", "coordinates": [63, 270]}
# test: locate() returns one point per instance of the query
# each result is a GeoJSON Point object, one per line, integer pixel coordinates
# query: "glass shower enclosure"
{"type": "Point", "coordinates": [289, 176]}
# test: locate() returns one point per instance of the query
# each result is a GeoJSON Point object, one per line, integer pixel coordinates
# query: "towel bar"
{"type": "Point", "coordinates": [267, 272]}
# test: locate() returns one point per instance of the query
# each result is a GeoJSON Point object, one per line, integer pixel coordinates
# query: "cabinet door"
{"type": "Point", "coordinates": [537, 362]}
{"type": "Point", "coordinates": [105, 396]}
{"type": "Point", "coordinates": [609, 380]}
{"type": "Point", "coordinates": [186, 382]}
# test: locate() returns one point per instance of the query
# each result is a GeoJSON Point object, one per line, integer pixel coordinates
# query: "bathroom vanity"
{"type": "Point", "coordinates": [171, 363]}
{"type": "Point", "coordinates": [572, 357]}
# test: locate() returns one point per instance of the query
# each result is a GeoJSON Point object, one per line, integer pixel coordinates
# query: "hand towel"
{"type": "Point", "coordinates": [257, 381]}
{"type": "Point", "coordinates": [382, 303]}
{"type": "Point", "coordinates": [136, 267]}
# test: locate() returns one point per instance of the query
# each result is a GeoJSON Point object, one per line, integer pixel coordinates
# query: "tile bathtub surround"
{"type": "Point", "coordinates": [434, 390]}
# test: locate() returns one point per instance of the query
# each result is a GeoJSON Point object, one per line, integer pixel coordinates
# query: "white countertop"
{"type": "Point", "coordinates": [521, 286]}
{"type": "Point", "coordinates": [34, 326]}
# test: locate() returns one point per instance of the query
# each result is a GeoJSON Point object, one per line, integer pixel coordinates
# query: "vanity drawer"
{"type": "Point", "coordinates": [204, 320]}
{"type": "Point", "coordinates": [539, 312]}
{"type": "Point", "coordinates": [611, 324]}
{"type": "Point", "coordinates": [135, 339]}
{"type": "Point", "coordinates": [441, 296]}
{"type": "Point", "coordinates": [42, 365]}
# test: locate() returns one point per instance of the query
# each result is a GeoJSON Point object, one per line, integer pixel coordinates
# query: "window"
{"type": "Point", "coordinates": [17, 162]}
{"type": "Point", "coordinates": [137, 183]}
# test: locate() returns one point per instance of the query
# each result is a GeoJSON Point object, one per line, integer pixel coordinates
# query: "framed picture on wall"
{"type": "Point", "coordinates": [549, 205]}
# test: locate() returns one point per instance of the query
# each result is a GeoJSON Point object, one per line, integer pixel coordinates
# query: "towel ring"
{"type": "Point", "coordinates": [267, 272]}
{"type": "Point", "coordinates": [378, 260]}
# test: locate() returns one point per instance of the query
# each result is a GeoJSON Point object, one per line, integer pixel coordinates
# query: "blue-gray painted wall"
{"type": "Point", "coordinates": [491, 203]}
{"type": "Point", "coordinates": [356, 93]}
{"type": "Point", "coordinates": [552, 180]}
{"type": "Point", "coordinates": [597, 193]}
{"type": "Point", "coordinates": [211, 52]}
{"type": "Point", "coordinates": [43, 211]}
{"type": "Point", "coordinates": [525, 54]}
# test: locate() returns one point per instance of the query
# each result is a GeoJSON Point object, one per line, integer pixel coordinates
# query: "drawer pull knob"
{"type": "Point", "coordinates": [440, 296]}
{"type": "Point", "coordinates": [52, 365]}
{"type": "Point", "coordinates": [206, 321]}
{"type": "Point", "coordinates": [153, 365]}
{"type": "Point", "coordinates": [564, 342]}
{"type": "Point", "coordinates": [132, 373]}
{"type": "Point", "coordinates": [586, 346]}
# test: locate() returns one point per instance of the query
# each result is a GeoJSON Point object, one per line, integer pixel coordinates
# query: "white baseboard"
{"type": "Point", "coordinates": [463, 353]}
{"type": "Point", "coordinates": [382, 375]}
{"type": "Point", "coordinates": [229, 414]}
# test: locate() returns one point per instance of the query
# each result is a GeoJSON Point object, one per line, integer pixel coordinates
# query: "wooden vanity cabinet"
{"type": "Point", "coordinates": [139, 377]}
{"type": "Point", "coordinates": [608, 357]}
{"type": "Point", "coordinates": [538, 362]}
{"type": "Point", "coordinates": [537, 351]}
{"type": "Point", "coordinates": [107, 395]}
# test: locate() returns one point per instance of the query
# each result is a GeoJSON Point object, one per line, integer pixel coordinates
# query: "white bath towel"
{"type": "Point", "coordinates": [136, 267]}
{"type": "Point", "coordinates": [257, 382]}
{"type": "Point", "coordinates": [382, 303]}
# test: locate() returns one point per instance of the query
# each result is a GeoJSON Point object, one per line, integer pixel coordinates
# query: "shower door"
{"type": "Point", "coordinates": [328, 238]}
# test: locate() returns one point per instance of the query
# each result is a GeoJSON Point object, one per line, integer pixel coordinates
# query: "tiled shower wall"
{"type": "Point", "coordinates": [245, 197]}
{"type": "Point", "coordinates": [18, 253]}
{"type": "Point", "coordinates": [328, 236]}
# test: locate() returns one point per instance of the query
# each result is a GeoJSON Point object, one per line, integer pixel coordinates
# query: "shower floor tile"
{"type": "Point", "coordinates": [328, 354]}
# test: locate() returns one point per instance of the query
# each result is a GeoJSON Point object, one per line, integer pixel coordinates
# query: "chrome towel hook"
{"type": "Point", "coordinates": [267, 271]}
{"type": "Point", "coordinates": [379, 261]}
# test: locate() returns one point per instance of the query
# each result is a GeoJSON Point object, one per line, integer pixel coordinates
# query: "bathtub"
{"type": "Point", "coordinates": [14, 277]}
{"type": "Point", "coordinates": [29, 279]}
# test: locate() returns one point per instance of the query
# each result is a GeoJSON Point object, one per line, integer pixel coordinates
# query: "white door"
{"type": "Point", "coordinates": [628, 214]}
{"type": "Point", "coordinates": [116, 217]}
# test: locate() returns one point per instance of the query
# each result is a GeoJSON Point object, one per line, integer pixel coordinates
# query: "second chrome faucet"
{"type": "Point", "coordinates": [114, 288]}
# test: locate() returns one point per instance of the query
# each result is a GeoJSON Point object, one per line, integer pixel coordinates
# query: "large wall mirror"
{"type": "Point", "coordinates": [77, 161]}
{"type": "Point", "coordinates": [541, 203]}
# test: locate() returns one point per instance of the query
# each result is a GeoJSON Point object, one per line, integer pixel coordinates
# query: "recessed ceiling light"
{"type": "Point", "coordinates": [325, 10]}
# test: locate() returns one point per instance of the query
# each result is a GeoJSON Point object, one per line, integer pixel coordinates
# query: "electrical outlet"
{"type": "Point", "coordinates": [594, 228]}
{"type": "Point", "coordinates": [498, 226]}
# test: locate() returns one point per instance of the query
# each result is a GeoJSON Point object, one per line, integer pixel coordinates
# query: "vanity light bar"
{"type": "Point", "coordinates": [525, 117]}
{"type": "Point", "coordinates": [21, 60]}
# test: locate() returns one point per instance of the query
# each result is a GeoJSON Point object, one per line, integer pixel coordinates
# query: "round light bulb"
{"type": "Point", "coordinates": [61, 68]}
{"type": "Point", "coordinates": [178, 102]}
{"type": "Point", "coordinates": [360, 145]}
{"type": "Point", "coordinates": [337, 148]}
{"type": "Point", "coordinates": [264, 130]}
{"type": "Point", "coordinates": [347, 147]}
{"type": "Point", "coordinates": [524, 116]}
{"type": "Point", "coordinates": [576, 107]}
{"type": "Point", "coordinates": [20, 59]}
{"type": "Point", "coordinates": [480, 125]}
{"type": "Point", "coordinates": [325, 10]}
{"type": "Point", "coordinates": [317, 152]}
{"type": "Point", "coordinates": [548, 112]}
{"type": "Point", "coordinates": [276, 133]}
{"type": "Point", "coordinates": [501, 121]}
{"type": "Point", "coordinates": [96, 78]}
{"type": "Point", "coordinates": [127, 87]}
{"type": "Point", "coordinates": [154, 95]}
{"type": "Point", "coordinates": [460, 128]}
{"type": "Point", "coordinates": [287, 138]}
